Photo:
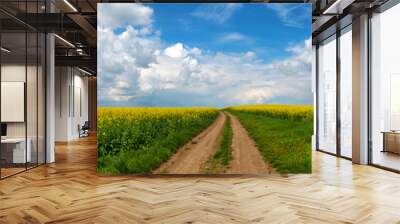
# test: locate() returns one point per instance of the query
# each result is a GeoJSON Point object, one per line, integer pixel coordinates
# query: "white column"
{"type": "Point", "coordinates": [50, 92]}
{"type": "Point", "coordinates": [360, 90]}
{"type": "Point", "coordinates": [50, 100]}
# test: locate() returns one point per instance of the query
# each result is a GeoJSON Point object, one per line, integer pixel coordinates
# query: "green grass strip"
{"type": "Point", "coordinates": [219, 162]}
{"type": "Point", "coordinates": [284, 143]}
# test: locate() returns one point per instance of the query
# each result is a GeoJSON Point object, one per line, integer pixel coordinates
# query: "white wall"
{"type": "Point", "coordinates": [71, 87]}
{"type": "Point", "coordinates": [80, 109]}
{"type": "Point", "coordinates": [33, 127]}
{"type": "Point", "coordinates": [62, 82]}
{"type": "Point", "coordinates": [9, 73]}
{"type": "Point", "coordinates": [16, 73]}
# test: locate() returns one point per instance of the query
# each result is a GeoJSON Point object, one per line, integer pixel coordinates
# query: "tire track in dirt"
{"type": "Point", "coordinates": [246, 159]}
{"type": "Point", "coordinates": [192, 157]}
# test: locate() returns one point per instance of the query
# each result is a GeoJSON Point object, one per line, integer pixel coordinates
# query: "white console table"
{"type": "Point", "coordinates": [19, 155]}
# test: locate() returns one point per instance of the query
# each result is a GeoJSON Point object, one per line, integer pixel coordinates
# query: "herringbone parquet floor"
{"type": "Point", "coordinates": [70, 191]}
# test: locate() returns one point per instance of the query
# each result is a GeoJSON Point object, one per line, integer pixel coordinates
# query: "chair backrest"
{"type": "Point", "coordinates": [86, 125]}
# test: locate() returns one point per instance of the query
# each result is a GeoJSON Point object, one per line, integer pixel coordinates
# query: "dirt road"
{"type": "Point", "coordinates": [246, 159]}
{"type": "Point", "coordinates": [191, 158]}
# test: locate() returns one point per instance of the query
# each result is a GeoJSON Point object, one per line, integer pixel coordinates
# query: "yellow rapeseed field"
{"type": "Point", "coordinates": [137, 140]}
{"type": "Point", "coordinates": [297, 112]}
{"type": "Point", "coordinates": [131, 113]}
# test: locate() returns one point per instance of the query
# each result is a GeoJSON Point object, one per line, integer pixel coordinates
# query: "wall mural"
{"type": "Point", "coordinates": [204, 88]}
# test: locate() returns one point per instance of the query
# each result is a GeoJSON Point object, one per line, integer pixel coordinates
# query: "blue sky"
{"type": "Point", "coordinates": [190, 24]}
{"type": "Point", "coordinates": [203, 54]}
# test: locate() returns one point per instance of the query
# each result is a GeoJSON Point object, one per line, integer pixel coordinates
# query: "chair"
{"type": "Point", "coordinates": [84, 130]}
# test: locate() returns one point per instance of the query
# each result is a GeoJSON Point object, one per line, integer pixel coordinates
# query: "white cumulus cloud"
{"type": "Point", "coordinates": [176, 51]}
{"type": "Point", "coordinates": [136, 68]}
{"type": "Point", "coordinates": [121, 14]}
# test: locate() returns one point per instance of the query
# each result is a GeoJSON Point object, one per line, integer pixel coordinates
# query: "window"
{"type": "Point", "coordinates": [385, 89]}
{"type": "Point", "coordinates": [327, 95]}
{"type": "Point", "coordinates": [22, 87]}
{"type": "Point", "coordinates": [346, 92]}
